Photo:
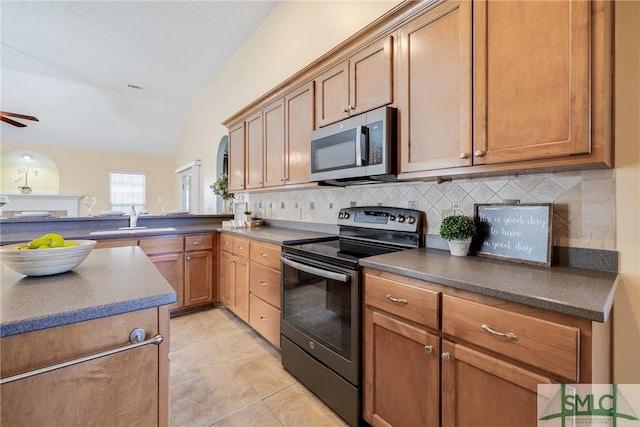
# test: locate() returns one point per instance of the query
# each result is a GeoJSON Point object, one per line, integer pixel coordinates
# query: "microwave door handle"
{"type": "Point", "coordinates": [361, 145]}
{"type": "Point", "coordinates": [317, 271]}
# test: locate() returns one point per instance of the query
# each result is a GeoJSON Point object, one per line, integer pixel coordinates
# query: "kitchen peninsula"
{"type": "Point", "coordinates": [113, 306]}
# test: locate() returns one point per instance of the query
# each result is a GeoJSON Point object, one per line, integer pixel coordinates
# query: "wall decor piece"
{"type": "Point", "coordinates": [515, 232]}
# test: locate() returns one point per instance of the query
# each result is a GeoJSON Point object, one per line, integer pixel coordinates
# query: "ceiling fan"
{"type": "Point", "coordinates": [4, 116]}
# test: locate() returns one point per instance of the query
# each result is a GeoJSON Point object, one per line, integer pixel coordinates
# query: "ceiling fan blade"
{"type": "Point", "coordinates": [12, 122]}
{"type": "Point", "coordinates": [19, 116]}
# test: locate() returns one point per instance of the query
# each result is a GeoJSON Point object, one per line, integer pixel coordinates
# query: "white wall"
{"type": "Point", "coordinates": [627, 135]}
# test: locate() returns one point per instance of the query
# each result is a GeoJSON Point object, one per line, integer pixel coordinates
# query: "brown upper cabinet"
{"type": "Point", "coordinates": [531, 80]}
{"type": "Point", "coordinates": [236, 156]}
{"type": "Point", "coordinates": [434, 89]}
{"type": "Point", "coordinates": [254, 161]}
{"type": "Point", "coordinates": [359, 84]}
{"type": "Point", "coordinates": [482, 88]}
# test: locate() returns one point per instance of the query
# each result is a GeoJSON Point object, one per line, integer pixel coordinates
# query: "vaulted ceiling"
{"type": "Point", "coordinates": [114, 75]}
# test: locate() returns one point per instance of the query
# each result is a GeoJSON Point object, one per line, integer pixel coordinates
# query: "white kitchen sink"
{"type": "Point", "coordinates": [127, 230]}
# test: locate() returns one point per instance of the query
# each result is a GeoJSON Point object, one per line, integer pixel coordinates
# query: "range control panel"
{"type": "Point", "coordinates": [382, 218]}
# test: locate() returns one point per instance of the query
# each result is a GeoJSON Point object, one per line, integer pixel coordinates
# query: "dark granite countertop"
{"type": "Point", "coordinates": [579, 292]}
{"type": "Point", "coordinates": [279, 236]}
{"type": "Point", "coordinates": [108, 282]}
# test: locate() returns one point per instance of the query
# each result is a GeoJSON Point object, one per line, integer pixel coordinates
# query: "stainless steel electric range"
{"type": "Point", "coordinates": [322, 301]}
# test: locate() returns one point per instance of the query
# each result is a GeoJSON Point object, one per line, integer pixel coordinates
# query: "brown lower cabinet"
{"type": "Point", "coordinates": [189, 263]}
{"type": "Point", "coordinates": [250, 283]}
{"type": "Point", "coordinates": [129, 388]}
{"type": "Point", "coordinates": [436, 356]}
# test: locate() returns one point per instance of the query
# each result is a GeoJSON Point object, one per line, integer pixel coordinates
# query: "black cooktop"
{"type": "Point", "coordinates": [341, 251]}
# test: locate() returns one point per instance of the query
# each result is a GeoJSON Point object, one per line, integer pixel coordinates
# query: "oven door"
{"type": "Point", "coordinates": [321, 312]}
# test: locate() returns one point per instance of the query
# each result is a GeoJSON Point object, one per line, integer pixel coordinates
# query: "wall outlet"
{"type": "Point", "coordinates": [455, 206]}
{"type": "Point", "coordinates": [299, 213]}
{"type": "Point", "coordinates": [413, 204]}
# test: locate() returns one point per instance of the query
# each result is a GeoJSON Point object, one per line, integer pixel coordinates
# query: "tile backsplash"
{"type": "Point", "coordinates": [583, 202]}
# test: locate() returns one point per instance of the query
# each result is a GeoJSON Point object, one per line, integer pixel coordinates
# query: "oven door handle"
{"type": "Point", "coordinates": [340, 277]}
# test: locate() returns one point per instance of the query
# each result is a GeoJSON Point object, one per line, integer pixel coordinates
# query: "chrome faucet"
{"type": "Point", "coordinates": [133, 218]}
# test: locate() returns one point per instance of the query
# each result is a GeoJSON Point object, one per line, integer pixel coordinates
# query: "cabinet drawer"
{"type": "Point", "coordinates": [226, 242]}
{"type": "Point", "coordinates": [406, 301]}
{"type": "Point", "coordinates": [265, 254]}
{"type": "Point", "coordinates": [265, 319]}
{"type": "Point", "coordinates": [198, 243]}
{"type": "Point", "coordinates": [265, 284]}
{"type": "Point", "coordinates": [546, 345]}
{"type": "Point", "coordinates": [241, 247]}
{"type": "Point", "coordinates": [162, 245]}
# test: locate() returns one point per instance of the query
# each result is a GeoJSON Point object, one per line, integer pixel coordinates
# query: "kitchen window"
{"type": "Point", "coordinates": [127, 189]}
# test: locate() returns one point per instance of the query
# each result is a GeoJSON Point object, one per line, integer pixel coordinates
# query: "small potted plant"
{"type": "Point", "coordinates": [221, 188]}
{"type": "Point", "coordinates": [247, 215]}
{"type": "Point", "coordinates": [458, 231]}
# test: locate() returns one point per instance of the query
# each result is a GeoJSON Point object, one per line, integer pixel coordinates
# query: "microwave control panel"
{"type": "Point", "coordinates": [376, 143]}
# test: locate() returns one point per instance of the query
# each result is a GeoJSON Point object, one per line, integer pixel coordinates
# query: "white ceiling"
{"type": "Point", "coordinates": [69, 63]}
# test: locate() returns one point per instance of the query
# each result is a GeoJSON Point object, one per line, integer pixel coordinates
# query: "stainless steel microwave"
{"type": "Point", "coordinates": [360, 148]}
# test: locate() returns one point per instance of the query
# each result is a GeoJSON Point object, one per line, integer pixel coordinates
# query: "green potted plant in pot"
{"type": "Point", "coordinates": [247, 215]}
{"type": "Point", "coordinates": [221, 188]}
{"type": "Point", "coordinates": [458, 231]}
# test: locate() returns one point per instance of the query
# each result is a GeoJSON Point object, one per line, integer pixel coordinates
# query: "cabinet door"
{"type": "Point", "coordinates": [123, 389]}
{"type": "Point", "coordinates": [538, 105]}
{"type": "Point", "coordinates": [332, 94]}
{"type": "Point", "coordinates": [241, 284]}
{"type": "Point", "coordinates": [227, 287]}
{"type": "Point", "coordinates": [198, 273]}
{"type": "Point", "coordinates": [300, 114]}
{"type": "Point", "coordinates": [371, 77]}
{"type": "Point", "coordinates": [401, 373]}
{"type": "Point", "coordinates": [236, 157]}
{"type": "Point", "coordinates": [479, 387]}
{"type": "Point", "coordinates": [435, 89]}
{"type": "Point", "coordinates": [274, 144]}
{"type": "Point", "coordinates": [171, 266]}
{"type": "Point", "coordinates": [254, 161]}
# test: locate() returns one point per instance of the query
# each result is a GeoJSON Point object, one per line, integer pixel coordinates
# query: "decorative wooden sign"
{"type": "Point", "coordinates": [514, 232]}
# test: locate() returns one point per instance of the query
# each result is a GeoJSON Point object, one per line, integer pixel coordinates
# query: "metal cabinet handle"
{"type": "Point", "coordinates": [345, 110]}
{"type": "Point", "coordinates": [428, 349]}
{"type": "Point", "coordinates": [263, 255]}
{"type": "Point", "coordinates": [340, 277]}
{"type": "Point", "coordinates": [509, 335]}
{"type": "Point", "coordinates": [240, 248]}
{"type": "Point", "coordinates": [134, 338]}
{"type": "Point", "coordinates": [196, 243]}
{"type": "Point", "coordinates": [445, 356]}
{"type": "Point", "coordinates": [232, 260]}
{"type": "Point", "coordinates": [263, 283]}
{"type": "Point", "coordinates": [351, 108]}
{"type": "Point", "coordinates": [264, 319]}
{"type": "Point", "coordinates": [478, 153]}
{"type": "Point", "coordinates": [398, 300]}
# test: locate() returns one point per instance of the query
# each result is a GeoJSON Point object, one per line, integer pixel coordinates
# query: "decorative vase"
{"type": "Point", "coordinates": [225, 206]}
{"type": "Point", "coordinates": [25, 190]}
{"type": "Point", "coordinates": [459, 247]}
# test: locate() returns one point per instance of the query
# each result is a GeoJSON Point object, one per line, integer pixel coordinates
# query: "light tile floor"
{"type": "Point", "coordinates": [222, 373]}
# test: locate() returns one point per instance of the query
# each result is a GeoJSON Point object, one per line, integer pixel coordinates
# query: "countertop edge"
{"type": "Point", "coordinates": [60, 319]}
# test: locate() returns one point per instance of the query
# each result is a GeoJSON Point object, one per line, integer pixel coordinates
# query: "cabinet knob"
{"type": "Point", "coordinates": [263, 255]}
{"type": "Point", "coordinates": [264, 319]}
{"type": "Point", "coordinates": [345, 110]}
{"type": "Point", "coordinates": [428, 349]}
{"type": "Point", "coordinates": [240, 248]}
{"type": "Point", "coordinates": [350, 108]}
{"type": "Point", "coordinates": [188, 258]}
{"type": "Point", "coordinates": [463, 155]}
{"type": "Point", "coordinates": [445, 356]}
{"type": "Point", "coordinates": [478, 153]}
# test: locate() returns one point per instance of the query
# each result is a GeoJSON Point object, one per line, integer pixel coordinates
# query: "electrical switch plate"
{"type": "Point", "coordinates": [413, 204]}
{"type": "Point", "coordinates": [455, 206]}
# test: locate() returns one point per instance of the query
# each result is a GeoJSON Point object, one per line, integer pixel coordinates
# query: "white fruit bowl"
{"type": "Point", "coordinates": [44, 262]}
